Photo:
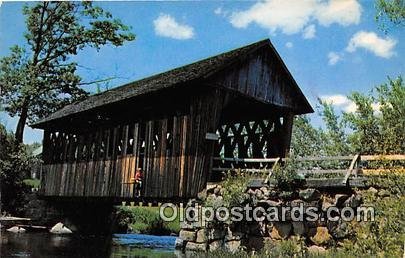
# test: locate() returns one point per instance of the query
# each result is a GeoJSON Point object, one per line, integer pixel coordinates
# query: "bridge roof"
{"type": "Point", "coordinates": [191, 72]}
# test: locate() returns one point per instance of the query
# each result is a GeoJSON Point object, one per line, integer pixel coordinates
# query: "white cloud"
{"type": "Point", "coordinates": [288, 16]}
{"type": "Point", "coordinates": [289, 44]}
{"type": "Point", "coordinates": [221, 12]}
{"type": "Point", "coordinates": [333, 58]}
{"type": "Point", "coordinates": [167, 26]}
{"type": "Point", "coordinates": [336, 100]}
{"type": "Point", "coordinates": [340, 101]}
{"type": "Point", "coordinates": [343, 12]}
{"type": "Point", "coordinates": [294, 16]}
{"type": "Point", "coordinates": [309, 32]}
{"type": "Point", "coordinates": [382, 47]}
{"type": "Point", "coordinates": [345, 104]}
{"type": "Point", "coordinates": [350, 107]}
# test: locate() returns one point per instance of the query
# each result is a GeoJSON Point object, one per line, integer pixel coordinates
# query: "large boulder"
{"type": "Point", "coordinates": [216, 233]}
{"type": "Point", "coordinates": [201, 236]}
{"type": "Point", "coordinates": [232, 246]}
{"type": "Point", "coordinates": [195, 247]}
{"type": "Point", "coordinates": [60, 228]}
{"type": "Point", "coordinates": [179, 243]}
{"type": "Point", "coordinates": [234, 235]}
{"type": "Point", "coordinates": [187, 235]}
{"type": "Point", "coordinates": [322, 236]}
{"type": "Point", "coordinates": [16, 229]}
{"type": "Point", "coordinates": [340, 199]}
{"type": "Point", "coordinates": [326, 204]}
{"type": "Point", "coordinates": [354, 201]}
{"type": "Point", "coordinates": [259, 194]}
{"type": "Point", "coordinates": [310, 194]}
{"type": "Point", "coordinates": [202, 195]}
{"type": "Point", "coordinates": [268, 203]}
{"type": "Point", "coordinates": [281, 230]}
{"type": "Point", "coordinates": [338, 229]}
{"type": "Point", "coordinates": [215, 245]}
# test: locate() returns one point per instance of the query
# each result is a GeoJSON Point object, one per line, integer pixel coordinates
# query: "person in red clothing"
{"type": "Point", "coordinates": [138, 182]}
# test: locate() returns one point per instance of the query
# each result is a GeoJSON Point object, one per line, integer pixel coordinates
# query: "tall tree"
{"type": "Point", "coordinates": [378, 123]}
{"type": "Point", "coordinates": [335, 135]}
{"type": "Point", "coordinates": [390, 12]}
{"type": "Point", "coordinates": [38, 78]}
{"type": "Point", "coordinates": [307, 140]}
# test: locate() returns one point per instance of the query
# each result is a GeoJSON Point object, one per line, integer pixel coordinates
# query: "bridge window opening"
{"type": "Point", "coordinates": [130, 141]}
{"type": "Point", "coordinates": [111, 142]}
{"type": "Point", "coordinates": [156, 137]}
{"type": "Point", "coordinates": [93, 151]}
{"type": "Point", "coordinates": [102, 145]}
{"type": "Point", "coordinates": [66, 145]}
{"type": "Point", "coordinates": [169, 137]}
{"type": "Point", "coordinates": [83, 153]}
{"type": "Point", "coordinates": [119, 141]}
{"type": "Point", "coordinates": [142, 132]}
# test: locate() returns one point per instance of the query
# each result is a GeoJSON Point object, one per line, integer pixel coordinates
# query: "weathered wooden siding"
{"type": "Point", "coordinates": [172, 151]}
{"type": "Point", "coordinates": [261, 76]}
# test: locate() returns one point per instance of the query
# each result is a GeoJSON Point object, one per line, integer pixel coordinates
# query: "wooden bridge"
{"type": "Point", "coordinates": [240, 103]}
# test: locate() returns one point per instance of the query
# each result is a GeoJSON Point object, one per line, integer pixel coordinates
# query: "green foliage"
{"type": "Point", "coordinates": [287, 248]}
{"type": "Point", "coordinates": [294, 247]}
{"type": "Point", "coordinates": [335, 136]}
{"type": "Point", "coordinates": [146, 220]}
{"type": "Point", "coordinates": [286, 176]}
{"type": "Point", "coordinates": [306, 140]}
{"type": "Point", "coordinates": [380, 132]}
{"type": "Point", "coordinates": [39, 79]}
{"type": "Point", "coordinates": [390, 11]}
{"type": "Point", "coordinates": [377, 126]}
{"type": "Point", "coordinates": [233, 188]}
{"type": "Point", "coordinates": [385, 236]}
{"type": "Point", "coordinates": [33, 183]}
{"type": "Point", "coordinates": [15, 163]}
{"type": "Point", "coordinates": [309, 141]}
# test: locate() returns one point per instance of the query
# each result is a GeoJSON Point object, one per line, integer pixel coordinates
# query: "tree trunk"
{"type": "Point", "coordinates": [19, 132]}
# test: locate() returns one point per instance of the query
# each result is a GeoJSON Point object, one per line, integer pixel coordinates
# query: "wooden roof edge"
{"type": "Point", "coordinates": [55, 116]}
{"type": "Point", "coordinates": [245, 51]}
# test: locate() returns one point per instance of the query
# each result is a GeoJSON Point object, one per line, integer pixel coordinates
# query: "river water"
{"type": "Point", "coordinates": [46, 245]}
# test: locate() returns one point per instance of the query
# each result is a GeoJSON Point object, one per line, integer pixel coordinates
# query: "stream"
{"type": "Point", "coordinates": [46, 245]}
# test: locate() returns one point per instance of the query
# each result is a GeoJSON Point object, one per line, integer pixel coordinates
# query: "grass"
{"type": "Point", "coordinates": [146, 220]}
{"type": "Point", "coordinates": [34, 183]}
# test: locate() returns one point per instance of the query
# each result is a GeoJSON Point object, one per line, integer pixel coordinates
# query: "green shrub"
{"type": "Point", "coordinates": [385, 236]}
{"type": "Point", "coordinates": [234, 188]}
{"type": "Point", "coordinates": [33, 183]}
{"type": "Point", "coordinates": [146, 220]}
{"type": "Point", "coordinates": [15, 163]}
{"type": "Point", "coordinates": [286, 175]}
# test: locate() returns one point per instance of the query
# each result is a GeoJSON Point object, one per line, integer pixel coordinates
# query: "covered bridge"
{"type": "Point", "coordinates": [237, 104]}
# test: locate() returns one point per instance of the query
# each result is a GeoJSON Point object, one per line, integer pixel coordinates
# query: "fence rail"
{"type": "Point", "coordinates": [264, 164]}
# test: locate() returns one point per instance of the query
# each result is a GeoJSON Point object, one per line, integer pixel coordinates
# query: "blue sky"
{"type": "Point", "coordinates": [331, 47]}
